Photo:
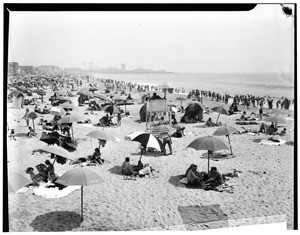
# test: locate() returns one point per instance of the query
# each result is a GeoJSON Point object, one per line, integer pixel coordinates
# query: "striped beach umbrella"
{"type": "Point", "coordinates": [162, 129]}
{"type": "Point", "coordinates": [16, 181]}
{"type": "Point", "coordinates": [111, 109]}
{"type": "Point", "coordinates": [149, 140]}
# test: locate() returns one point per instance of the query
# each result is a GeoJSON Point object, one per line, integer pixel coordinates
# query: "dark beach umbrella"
{"type": "Point", "coordinates": [195, 107]}
{"type": "Point", "coordinates": [220, 110]}
{"type": "Point", "coordinates": [51, 137]}
{"type": "Point", "coordinates": [210, 143]}
{"type": "Point", "coordinates": [111, 109]}
{"type": "Point", "coordinates": [80, 176]}
{"type": "Point", "coordinates": [156, 131]}
{"type": "Point", "coordinates": [226, 130]}
{"type": "Point", "coordinates": [32, 116]}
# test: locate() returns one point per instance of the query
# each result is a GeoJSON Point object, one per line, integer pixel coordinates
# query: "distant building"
{"type": "Point", "coordinates": [13, 68]}
{"type": "Point", "coordinates": [123, 67]}
{"type": "Point", "coordinates": [26, 69]}
{"type": "Point", "coordinates": [47, 69]}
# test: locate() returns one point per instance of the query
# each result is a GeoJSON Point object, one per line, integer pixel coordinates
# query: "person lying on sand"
{"type": "Point", "coordinates": [283, 132]}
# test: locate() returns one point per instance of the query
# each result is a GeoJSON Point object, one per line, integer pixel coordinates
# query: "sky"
{"type": "Point", "coordinates": [258, 41]}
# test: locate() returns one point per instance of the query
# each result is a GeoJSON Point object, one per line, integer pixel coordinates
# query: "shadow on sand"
{"type": "Point", "coordinates": [56, 221]}
{"type": "Point", "coordinates": [257, 140]}
{"type": "Point", "coordinates": [117, 170]}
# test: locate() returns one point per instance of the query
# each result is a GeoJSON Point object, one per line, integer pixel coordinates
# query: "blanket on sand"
{"type": "Point", "coordinates": [208, 216]}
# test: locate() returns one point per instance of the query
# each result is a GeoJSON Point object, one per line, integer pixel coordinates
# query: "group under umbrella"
{"type": "Point", "coordinates": [210, 143]}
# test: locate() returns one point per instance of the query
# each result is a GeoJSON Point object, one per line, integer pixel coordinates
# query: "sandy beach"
{"type": "Point", "coordinates": [264, 190]}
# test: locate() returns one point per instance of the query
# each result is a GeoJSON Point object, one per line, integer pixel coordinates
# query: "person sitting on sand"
{"type": "Point", "coordinates": [262, 128]}
{"type": "Point", "coordinates": [214, 178]}
{"type": "Point", "coordinates": [65, 128]}
{"type": "Point", "coordinates": [272, 129]}
{"type": "Point", "coordinates": [179, 132]}
{"type": "Point", "coordinates": [37, 110]}
{"type": "Point", "coordinates": [283, 132]}
{"type": "Point", "coordinates": [243, 117]}
{"type": "Point", "coordinates": [45, 110]}
{"type": "Point", "coordinates": [96, 157]}
{"type": "Point", "coordinates": [209, 123]}
{"type": "Point", "coordinates": [49, 168]}
{"type": "Point", "coordinates": [127, 169]}
{"type": "Point", "coordinates": [192, 175]}
{"type": "Point", "coordinates": [35, 178]}
{"type": "Point", "coordinates": [31, 132]}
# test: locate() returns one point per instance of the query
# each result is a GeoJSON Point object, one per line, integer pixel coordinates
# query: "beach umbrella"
{"type": "Point", "coordinates": [111, 109]}
{"type": "Point", "coordinates": [85, 92]}
{"type": "Point", "coordinates": [163, 87]}
{"type": "Point", "coordinates": [58, 111]}
{"type": "Point", "coordinates": [80, 176]}
{"type": "Point", "coordinates": [220, 110]}
{"type": "Point", "coordinates": [275, 119]}
{"type": "Point", "coordinates": [93, 89]}
{"type": "Point", "coordinates": [71, 118]}
{"type": "Point", "coordinates": [134, 134]}
{"type": "Point", "coordinates": [210, 143]}
{"type": "Point", "coordinates": [32, 116]}
{"type": "Point", "coordinates": [61, 93]}
{"type": "Point", "coordinates": [149, 140]}
{"type": "Point", "coordinates": [57, 151]}
{"type": "Point", "coordinates": [16, 181]}
{"type": "Point", "coordinates": [101, 135]}
{"type": "Point", "coordinates": [162, 129]}
{"type": "Point", "coordinates": [195, 107]}
{"type": "Point", "coordinates": [67, 106]}
{"type": "Point", "coordinates": [226, 130]}
{"type": "Point", "coordinates": [50, 137]}
{"type": "Point", "coordinates": [181, 98]}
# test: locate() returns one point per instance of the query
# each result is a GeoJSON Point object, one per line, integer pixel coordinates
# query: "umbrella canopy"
{"type": "Point", "coordinates": [210, 143]}
{"type": "Point", "coordinates": [163, 86]}
{"type": "Point", "coordinates": [71, 118]}
{"type": "Point", "coordinates": [101, 135]}
{"type": "Point", "coordinates": [102, 97]}
{"type": "Point", "coordinates": [50, 138]}
{"type": "Point", "coordinates": [56, 110]}
{"type": "Point", "coordinates": [32, 115]}
{"type": "Point", "coordinates": [275, 119]}
{"type": "Point", "coordinates": [57, 150]}
{"type": "Point", "coordinates": [220, 110]}
{"type": "Point", "coordinates": [226, 130]}
{"type": "Point", "coordinates": [134, 134]}
{"type": "Point", "coordinates": [16, 181]}
{"type": "Point", "coordinates": [162, 129]}
{"type": "Point", "coordinates": [93, 89]}
{"type": "Point", "coordinates": [181, 98]}
{"type": "Point", "coordinates": [149, 140]}
{"type": "Point", "coordinates": [86, 93]}
{"type": "Point", "coordinates": [67, 106]}
{"type": "Point", "coordinates": [111, 109]}
{"type": "Point", "coordinates": [80, 176]}
{"type": "Point", "coordinates": [61, 92]}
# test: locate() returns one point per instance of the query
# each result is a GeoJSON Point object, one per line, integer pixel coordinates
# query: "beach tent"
{"type": "Point", "coordinates": [193, 109]}
{"type": "Point", "coordinates": [18, 100]}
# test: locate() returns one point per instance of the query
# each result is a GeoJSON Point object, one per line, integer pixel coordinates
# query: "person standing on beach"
{"type": "Point", "coordinates": [260, 111]}
{"type": "Point", "coordinates": [166, 140]}
{"type": "Point", "coordinates": [26, 117]}
{"type": "Point", "coordinates": [119, 119]}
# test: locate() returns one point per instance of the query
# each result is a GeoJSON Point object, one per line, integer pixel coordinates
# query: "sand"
{"type": "Point", "coordinates": [264, 191]}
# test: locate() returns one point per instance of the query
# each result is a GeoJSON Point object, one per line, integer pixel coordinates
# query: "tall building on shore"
{"type": "Point", "coordinates": [123, 67]}
{"type": "Point", "coordinates": [13, 68]}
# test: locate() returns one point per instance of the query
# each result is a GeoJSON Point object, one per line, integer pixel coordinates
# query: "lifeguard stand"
{"type": "Point", "coordinates": [158, 106]}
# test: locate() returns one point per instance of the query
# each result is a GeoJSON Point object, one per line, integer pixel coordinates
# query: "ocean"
{"type": "Point", "coordinates": [274, 85]}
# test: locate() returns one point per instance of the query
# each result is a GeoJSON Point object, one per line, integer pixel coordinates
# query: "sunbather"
{"type": "Point", "coordinates": [214, 179]}
{"type": "Point", "coordinates": [283, 132]}
{"type": "Point", "coordinates": [35, 178]}
{"type": "Point", "coordinates": [193, 177]}
{"type": "Point", "coordinates": [31, 132]}
{"type": "Point", "coordinates": [96, 157]}
{"type": "Point", "coordinates": [209, 123]}
{"type": "Point", "coordinates": [127, 169]}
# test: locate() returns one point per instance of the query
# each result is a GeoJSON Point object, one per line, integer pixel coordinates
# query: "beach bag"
{"type": "Point", "coordinates": [145, 171]}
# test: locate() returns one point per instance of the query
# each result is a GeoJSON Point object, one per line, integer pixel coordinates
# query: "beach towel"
{"type": "Point", "coordinates": [246, 123]}
{"type": "Point", "coordinates": [270, 142]}
{"type": "Point", "coordinates": [218, 156]}
{"type": "Point", "coordinates": [54, 192]}
{"type": "Point", "coordinates": [197, 217]}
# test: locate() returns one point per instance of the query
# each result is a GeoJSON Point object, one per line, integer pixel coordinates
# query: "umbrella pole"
{"type": "Point", "coordinates": [208, 161]}
{"type": "Point", "coordinates": [54, 160]}
{"type": "Point", "coordinates": [82, 202]}
{"type": "Point", "coordinates": [218, 118]}
{"type": "Point", "coordinates": [72, 132]}
{"type": "Point", "coordinates": [230, 145]}
{"type": "Point", "coordinates": [33, 124]}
